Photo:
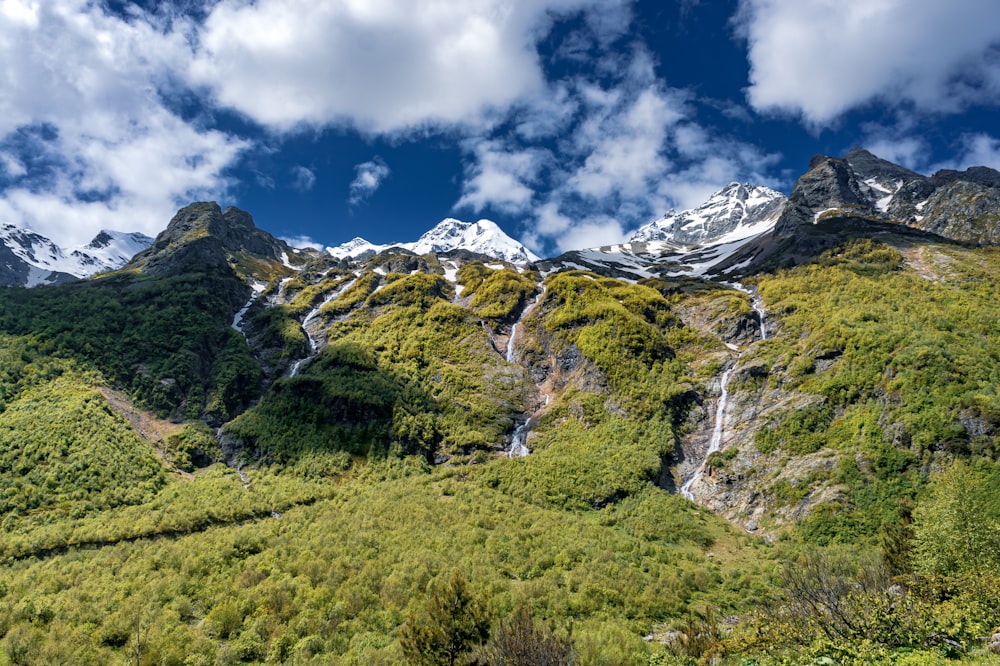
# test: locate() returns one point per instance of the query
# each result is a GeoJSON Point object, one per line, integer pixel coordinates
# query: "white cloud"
{"type": "Point", "coordinates": [303, 178]}
{"type": "Point", "coordinates": [302, 242]}
{"type": "Point", "coordinates": [110, 153]}
{"type": "Point", "coordinates": [632, 150]}
{"type": "Point", "coordinates": [592, 232]}
{"type": "Point", "coordinates": [819, 58]}
{"type": "Point", "coordinates": [368, 178]}
{"type": "Point", "coordinates": [976, 150]}
{"type": "Point", "coordinates": [381, 66]}
{"type": "Point", "coordinates": [908, 151]}
{"type": "Point", "coordinates": [498, 178]}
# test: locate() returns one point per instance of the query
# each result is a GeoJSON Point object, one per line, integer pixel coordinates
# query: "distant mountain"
{"type": "Point", "coordinates": [686, 243]}
{"type": "Point", "coordinates": [28, 259]}
{"type": "Point", "coordinates": [735, 212]}
{"type": "Point", "coordinates": [482, 237]}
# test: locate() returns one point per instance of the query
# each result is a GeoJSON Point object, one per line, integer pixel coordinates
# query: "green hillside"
{"type": "Point", "coordinates": [333, 487]}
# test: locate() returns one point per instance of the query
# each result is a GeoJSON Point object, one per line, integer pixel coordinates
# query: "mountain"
{"type": "Point", "coordinates": [956, 205]}
{"type": "Point", "coordinates": [232, 452]}
{"type": "Point", "coordinates": [28, 259]}
{"type": "Point", "coordinates": [202, 236]}
{"type": "Point", "coordinates": [483, 237]}
{"type": "Point", "coordinates": [735, 212]}
{"type": "Point", "coordinates": [693, 242]}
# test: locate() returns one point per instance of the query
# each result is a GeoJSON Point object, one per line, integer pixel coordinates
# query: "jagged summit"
{"type": "Point", "coordinates": [737, 211]}
{"type": "Point", "coordinates": [959, 205]}
{"type": "Point", "coordinates": [482, 237]}
{"type": "Point", "coordinates": [28, 259]}
{"type": "Point", "coordinates": [203, 235]}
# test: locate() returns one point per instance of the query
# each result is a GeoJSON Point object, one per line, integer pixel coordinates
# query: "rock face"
{"type": "Point", "coordinates": [958, 205]}
{"type": "Point", "coordinates": [201, 236]}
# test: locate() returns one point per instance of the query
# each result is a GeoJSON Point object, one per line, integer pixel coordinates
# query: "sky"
{"type": "Point", "coordinates": [568, 122]}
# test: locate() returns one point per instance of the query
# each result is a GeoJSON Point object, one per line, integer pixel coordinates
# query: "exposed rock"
{"type": "Point", "coordinates": [993, 644]}
{"type": "Point", "coordinates": [962, 206]}
{"type": "Point", "coordinates": [203, 237]}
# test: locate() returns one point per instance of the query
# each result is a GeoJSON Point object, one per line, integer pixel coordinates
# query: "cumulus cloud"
{"type": "Point", "coordinates": [631, 149]}
{"type": "Point", "coordinates": [499, 178]}
{"type": "Point", "coordinates": [368, 178]}
{"type": "Point", "coordinates": [86, 138]}
{"type": "Point", "coordinates": [911, 152]}
{"type": "Point", "coordinates": [976, 150]}
{"type": "Point", "coordinates": [302, 242]}
{"type": "Point", "coordinates": [818, 59]}
{"type": "Point", "coordinates": [382, 67]}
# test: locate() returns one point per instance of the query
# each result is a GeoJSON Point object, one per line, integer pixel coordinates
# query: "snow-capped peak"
{"type": "Point", "coordinates": [356, 248]}
{"type": "Point", "coordinates": [735, 212]}
{"type": "Point", "coordinates": [483, 237]}
{"type": "Point", "coordinates": [112, 249]}
{"type": "Point", "coordinates": [107, 251]}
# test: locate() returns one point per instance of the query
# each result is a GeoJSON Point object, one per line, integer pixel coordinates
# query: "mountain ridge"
{"type": "Point", "coordinates": [29, 259]}
{"type": "Point", "coordinates": [482, 237]}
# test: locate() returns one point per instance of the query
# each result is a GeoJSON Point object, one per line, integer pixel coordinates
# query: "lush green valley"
{"type": "Point", "coordinates": [331, 484]}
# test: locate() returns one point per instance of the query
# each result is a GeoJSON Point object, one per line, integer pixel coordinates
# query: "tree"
{"type": "Point", "coordinates": [519, 641]}
{"type": "Point", "coordinates": [451, 624]}
{"type": "Point", "coordinates": [957, 526]}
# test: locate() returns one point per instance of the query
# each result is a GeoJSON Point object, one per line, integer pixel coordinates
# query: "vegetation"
{"type": "Point", "coordinates": [375, 520]}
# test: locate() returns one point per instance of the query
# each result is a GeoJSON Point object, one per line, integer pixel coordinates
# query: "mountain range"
{"type": "Point", "coordinates": [28, 259]}
{"type": "Point", "coordinates": [764, 430]}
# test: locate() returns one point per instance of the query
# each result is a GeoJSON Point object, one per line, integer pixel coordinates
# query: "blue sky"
{"type": "Point", "coordinates": [568, 122]}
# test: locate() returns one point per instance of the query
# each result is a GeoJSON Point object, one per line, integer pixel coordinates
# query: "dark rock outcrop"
{"type": "Point", "coordinates": [201, 236]}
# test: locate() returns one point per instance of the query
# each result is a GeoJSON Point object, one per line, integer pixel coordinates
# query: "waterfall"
{"type": "Point", "coordinates": [718, 429]}
{"type": "Point", "coordinates": [716, 442]}
{"type": "Point", "coordinates": [756, 302]}
{"type": "Point", "coordinates": [258, 288]}
{"type": "Point", "coordinates": [510, 344]}
{"type": "Point", "coordinates": [509, 356]}
{"type": "Point", "coordinates": [517, 447]}
{"type": "Point", "coordinates": [313, 314]}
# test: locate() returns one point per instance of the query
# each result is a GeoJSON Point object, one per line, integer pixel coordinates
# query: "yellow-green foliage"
{"type": "Point", "coordinates": [500, 294]}
{"type": "Point", "coordinates": [194, 442]}
{"type": "Point", "coordinates": [336, 580]}
{"type": "Point", "coordinates": [587, 461]}
{"type": "Point", "coordinates": [419, 290]}
{"type": "Point", "coordinates": [902, 366]}
{"type": "Point", "coordinates": [62, 448]}
{"type": "Point", "coordinates": [309, 296]}
{"type": "Point", "coordinates": [353, 295]}
{"type": "Point", "coordinates": [410, 371]}
{"type": "Point", "coordinates": [617, 325]}
{"type": "Point", "coordinates": [168, 341]}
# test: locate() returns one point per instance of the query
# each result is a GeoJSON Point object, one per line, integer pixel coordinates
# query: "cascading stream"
{"type": "Point", "coordinates": [313, 314]}
{"type": "Point", "coordinates": [716, 442]}
{"type": "Point", "coordinates": [518, 448]}
{"type": "Point", "coordinates": [509, 356]}
{"type": "Point", "coordinates": [718, 430]}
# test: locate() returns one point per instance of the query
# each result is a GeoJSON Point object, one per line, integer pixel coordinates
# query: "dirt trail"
{"type": "Point", "coordinates": [925, 262]}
